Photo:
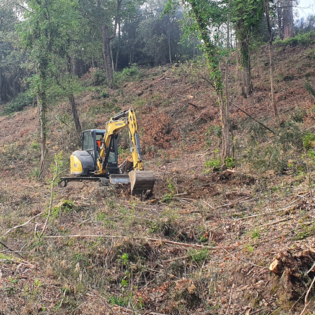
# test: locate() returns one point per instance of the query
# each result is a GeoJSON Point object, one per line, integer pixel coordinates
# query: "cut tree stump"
{"type": "Point", "coordinates": [276, 267]}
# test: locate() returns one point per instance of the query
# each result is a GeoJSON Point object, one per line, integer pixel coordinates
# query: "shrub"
{"type": "Point", "coordinates": [133, 73]}
{"type": "Point", "coordinates": [301, 39]}
{"type": "Point", "coordinates": [229, 163]}
{"type": "Point", "coordinates": [18, 103]}
{"type": "Point", "coordinates": [308, 138]}
{"type": "Point", "coordinates": [213, 163]}
{"type": "Point", "coordinates": [99, 77]}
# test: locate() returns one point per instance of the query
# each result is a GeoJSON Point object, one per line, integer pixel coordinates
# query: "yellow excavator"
{"type": "Point", "coordinates": [98, 159]}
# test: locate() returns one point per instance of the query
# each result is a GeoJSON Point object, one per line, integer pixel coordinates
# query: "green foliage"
{"type": "Point", "coordinates": [246, 15]}
{"type": "Point", "coordinates": [255, 234]}
{"type": "Point", "coordinates": [266, 158]}
{"type": "Point", "coordinates": [299, 40]}
{"type": "Point", "coordinates": [308, 138]}
{"type": "Point", "coordinates": [18, 103]}
{"type": "Point", "coordinates": [124, 283]}
{"type": "Point", "coordinates": [249, 248]}
{"type": "Point", "coordinates": [99, 77]}
{"type": "Point", "coordinates": [63, 206]}
{"type": "Point", "coordinates": [229, 163]}
{"type": "Point", "coordinates": [124, 258]}
{"type": "Point", "coordinates": [120, 301]}
{"type": "Point", "coordinates": [213, 163]}
{"type": "Point", "coordinates": [129, 74]}
{"type": "Point", "coordinates": [199, 255]}
{"type": "Point", "coordinates": [37, 283]}
{"type": "Point", "coordinates": [169, 196]}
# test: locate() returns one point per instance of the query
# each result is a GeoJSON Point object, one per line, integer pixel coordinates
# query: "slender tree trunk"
{"type": "Point", "coordinates": [75, 114]}
{"type": "Point", "coordinates": [42, 108]}
{"type": "Point", "coordinates": [224, 111]}
{"type": "Point", "coordinates": [169, 46]}
{"type": "Point", "coordinates": [273, 100]}
{"type": "Point", "coordinates": [288, 26]}
{"type": "Point", "coordinates": [118, 48]}
{"type": "Point", "coordinates": [246, 72]}
{"type": "Point", "coordinates": [225, 100]}
{"type": "Point", "coordinates": [107, 56]}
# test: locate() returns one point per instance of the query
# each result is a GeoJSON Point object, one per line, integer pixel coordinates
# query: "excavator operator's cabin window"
{"type": "Point", "coordinates": [88, 143]}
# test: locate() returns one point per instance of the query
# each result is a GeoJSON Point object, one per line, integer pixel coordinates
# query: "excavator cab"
{"type": "Point", "coordinates": [84, 162]}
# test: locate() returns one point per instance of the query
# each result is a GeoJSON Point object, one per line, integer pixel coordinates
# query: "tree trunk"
{"type": "Point", "coordinates": [41, 102]}
{"type": "Point", "coordinates": [75, 114]}
{"type": "Point", "coordinates": [169, 46]}
{"type": "Point", "coordinates": [246, 73]}
{"type": "Point", "coordinates": [273, 100]}
{"type": "Point", "coordinates": [280, 16]}
{"type": "Point", "coordinates": [288, 26]}
{"type": "Point", "coordinates": [224, 112]}
{"type": "Point", "coordinates": [225, 101]}
{"type": "Point", "coordinates": [118, 48]}
{"type": "Point", "coordinates": [274, 105]}
{"type": "Point", "coordinates": [107, 56]}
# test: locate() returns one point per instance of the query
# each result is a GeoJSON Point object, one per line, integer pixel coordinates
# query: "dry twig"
{"type": "Point", "coordinates": [143, 238]}
{"type": "Point", "coordinates": [306, 297]}
{"type": "Point", "coordinates": [18, 226]}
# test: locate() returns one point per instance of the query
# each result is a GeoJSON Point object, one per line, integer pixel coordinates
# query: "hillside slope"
{"type": "Point", "coordinates": [203, 243]}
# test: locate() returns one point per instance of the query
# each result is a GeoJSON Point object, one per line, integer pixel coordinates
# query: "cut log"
{"type": "Point", "coordinates": [276, 266]}
{"type": "Point", "coordinates": [141, 181]}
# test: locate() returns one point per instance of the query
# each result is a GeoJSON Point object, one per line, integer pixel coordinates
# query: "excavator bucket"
{"type": "Point", "coordinates": [141, 181]}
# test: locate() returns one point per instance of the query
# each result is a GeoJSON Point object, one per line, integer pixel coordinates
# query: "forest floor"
{"type": "Point", "coordinates": [203, 243]}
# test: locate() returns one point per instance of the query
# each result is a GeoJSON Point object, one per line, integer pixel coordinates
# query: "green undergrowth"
{"type": "Point", "coordinates": [18, 103]}
{"type": "Point", "coordinates": [298, 40]}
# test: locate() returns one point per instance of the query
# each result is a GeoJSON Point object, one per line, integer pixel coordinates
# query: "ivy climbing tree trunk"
{"type": "Point", "coordinates": [45, 31]}
{"type": "Point", "coordinates": [246, 18]}
{"type": "Point", "coordinates": [213, 61]}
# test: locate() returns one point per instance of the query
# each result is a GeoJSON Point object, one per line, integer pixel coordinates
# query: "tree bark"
{"type": "Point", "coordinates": [75, 114]}
{"type": "Point", "coordinates": [107, 56]}
{"type": "Point", "coordinates": [247, 87]}
{"type": "Point", "coordinates": [288, 26]}
{"type": "Point", "coordinates": [42, 106]}
{"type": "Point", "coordinates": [273, 100]}
{"type": "Point", "coordinates": [118, 48]}
{"type": "Point", "coordinates": [225, 101]}
{"type": "Point", "coordinates": [169, 46]}
{"type": "Point", "coordinates": [224, 111]}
